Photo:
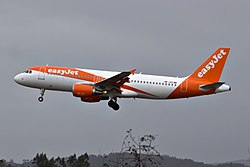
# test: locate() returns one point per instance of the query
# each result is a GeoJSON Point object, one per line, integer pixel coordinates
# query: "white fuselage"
{"type": "Point", "coordinates": [144, 86]}
{"type": "Point", "coordinates": [96, 85]}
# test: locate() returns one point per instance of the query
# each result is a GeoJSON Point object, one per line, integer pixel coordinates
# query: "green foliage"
{"type": "Point", "coordinates": [82, 161]}
{"type": "Point", "coordinates": [41, 160]}
{"type": "Point", "coordinates": [72, 159]}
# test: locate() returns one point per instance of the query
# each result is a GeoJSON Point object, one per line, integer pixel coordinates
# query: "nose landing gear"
{"type": "Point", "coordinates": [113, 104]}
{"type": "Point", "coordinates": [40, 99]}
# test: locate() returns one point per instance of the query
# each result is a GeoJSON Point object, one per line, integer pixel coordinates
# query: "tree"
{"type": "Point", "coordinates": [60, 162]}
{"type": "Point", "coordinates": [2, 163]}
{"type": "Point", "coordinates": [41, 160]}
{"type": "Point", "coordinates": [139, 152]}
{"type": "Point", "coordinates": [82, 161]}
{"type": "Point", "coordinates": [142, 149]}
{"type": "Point", "coordinates": [72, 159]}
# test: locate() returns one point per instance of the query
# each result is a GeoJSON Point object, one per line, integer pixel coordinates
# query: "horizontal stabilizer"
{"type": "Point", "coordinates": [212, 86]}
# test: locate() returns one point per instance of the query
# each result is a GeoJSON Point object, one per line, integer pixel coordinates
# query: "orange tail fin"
{"type": "Point", "coordinates": [212, 68]}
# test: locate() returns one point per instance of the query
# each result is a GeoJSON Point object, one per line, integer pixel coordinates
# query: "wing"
{"type": "Point", "coordinates": [115, 82]}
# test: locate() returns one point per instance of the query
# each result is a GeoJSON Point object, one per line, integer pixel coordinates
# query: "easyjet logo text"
{"type": "Point", "coordinates": [212, 63]}
{"type": "Point", "coordinates": [63, 72]}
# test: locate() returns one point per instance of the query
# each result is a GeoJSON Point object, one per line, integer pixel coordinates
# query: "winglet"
{"type": "Point", "coordinates": [132, 71]}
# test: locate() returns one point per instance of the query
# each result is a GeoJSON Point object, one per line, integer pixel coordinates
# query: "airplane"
{"type": "Point", "coordinates": [97, 85]}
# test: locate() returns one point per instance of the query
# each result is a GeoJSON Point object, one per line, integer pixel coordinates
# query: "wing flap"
{"type": "Point", "coordinates": [115, 81]}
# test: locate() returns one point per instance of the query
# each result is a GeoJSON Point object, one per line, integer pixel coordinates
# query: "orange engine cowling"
{"type": "Point", "coordinates": [80, 90]}
{"type": "Point", "coordinates": [86, 92]}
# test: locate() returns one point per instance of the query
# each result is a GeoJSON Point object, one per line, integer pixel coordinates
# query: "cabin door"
{"type": "Point", "coordinates": [184, 86]}
{"type": "Point", "coordinates": [41, 74]}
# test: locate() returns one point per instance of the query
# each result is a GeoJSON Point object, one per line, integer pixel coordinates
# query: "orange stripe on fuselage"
{"type": "Point", "coordinates": [193, 89]}
{"type": "Point", "coordinates": [136, 90]}
{"type": "Point", "coordinates": [68, 72]}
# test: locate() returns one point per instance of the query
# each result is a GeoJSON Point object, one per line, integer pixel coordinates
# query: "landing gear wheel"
{"type": "Point", "coordinates": [40, 99]}
{"type": "Point", "coordinates": [113, 105]}
{"type": "Point", "coordinates": [116, 107]}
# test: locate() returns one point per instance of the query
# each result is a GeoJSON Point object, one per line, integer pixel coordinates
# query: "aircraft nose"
{"type": "Point", "coordinates": [18, 78]}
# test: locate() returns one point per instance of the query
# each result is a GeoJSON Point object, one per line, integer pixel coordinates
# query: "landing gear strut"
{"type": "Point", "coordinates": [113, 104]}
{"type": "Point", "coordinates": [40, 99]}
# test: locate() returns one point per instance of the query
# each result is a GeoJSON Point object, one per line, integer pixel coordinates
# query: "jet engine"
{"type": "Point", "coordinates": [87, 93]}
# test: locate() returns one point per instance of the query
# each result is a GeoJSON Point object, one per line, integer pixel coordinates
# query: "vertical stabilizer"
{"type": "Point", "coordinates": [212, 68]}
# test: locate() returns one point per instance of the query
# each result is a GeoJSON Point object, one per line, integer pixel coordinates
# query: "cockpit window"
{"type": "Point", "coordinates": [28, 71]}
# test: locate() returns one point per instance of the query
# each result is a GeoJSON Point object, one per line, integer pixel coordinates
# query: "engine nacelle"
{"type": "Point", "coordinates": [80, 90]}
{"type": "Point", "coordinates": [87, 93]}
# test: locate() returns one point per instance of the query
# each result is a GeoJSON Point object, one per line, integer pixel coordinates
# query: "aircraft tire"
{"type": "Point", "coordinates": [112, 104]}
{"type": "Point", "coordinates": [116, 107]}
{"type": "Point", "coordinates": [40, 99]}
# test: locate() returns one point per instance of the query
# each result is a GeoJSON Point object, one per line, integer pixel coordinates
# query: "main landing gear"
{"type": "Point", "coordinates": [113, 104]}
{"type": "Point", "coordinates": [40, 99]}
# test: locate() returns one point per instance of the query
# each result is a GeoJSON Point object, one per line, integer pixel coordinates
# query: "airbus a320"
{"type": "Point", "coordinates": [96, 85]}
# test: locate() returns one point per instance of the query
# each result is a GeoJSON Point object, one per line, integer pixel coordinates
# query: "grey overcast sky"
{"type": "Point", "coordinates": [165, 37]}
